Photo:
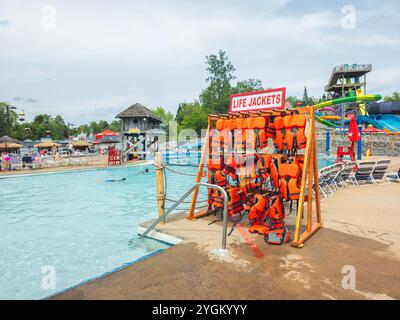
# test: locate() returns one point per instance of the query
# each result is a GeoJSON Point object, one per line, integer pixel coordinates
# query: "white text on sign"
{"type": "Point", "coordinates": [260, 100]}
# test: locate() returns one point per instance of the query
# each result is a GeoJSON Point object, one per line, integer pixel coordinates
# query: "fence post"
{"type": "Point", "coordinates": [359, 144]}
{"type": "Point", "coordinates": [159, 184]}
{"type": "Point", "coordinates": [328, 143]}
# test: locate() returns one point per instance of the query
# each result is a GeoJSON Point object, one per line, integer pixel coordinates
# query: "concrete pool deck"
{"type": "Point", "coordinates": [101, 164]}
{"type": "Point", "coordinates": [361, 229]}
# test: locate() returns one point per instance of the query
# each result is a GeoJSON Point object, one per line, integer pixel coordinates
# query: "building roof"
{"type": "Point", "coordinates": [47, 144]}
{"type": "Point", "coordinates": [138, 111]}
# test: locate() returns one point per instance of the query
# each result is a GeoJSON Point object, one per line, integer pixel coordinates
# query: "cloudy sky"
{"type": "Point", "coordinates": [88, 60]}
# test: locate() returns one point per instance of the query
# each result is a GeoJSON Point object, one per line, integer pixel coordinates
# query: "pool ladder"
{"type": "Point", "coordinates": [187, 194]}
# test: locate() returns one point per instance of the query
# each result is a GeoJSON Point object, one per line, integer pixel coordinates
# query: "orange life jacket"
{"type": "Point", "coordinates": [215, 162]}
{"type": "Point", "coordinates": [295, 138]}
{"type": "Point", "coordinates": [220, 137]}
{"type": "Point", "coordinates": [240, 144]}
{"type": "Point", "coordinates": [277, 236]}
{"type": "Point", "coordinates": [274, 171]}
{"type": "Point", "coordinates": [280, 134]}
{"type": "Point", "coordinates": [217, 177]}
{"type": "Point", "coordinates": [259, 228]}
{"type": "Point", "coordinates": [264, 166]}
{"type": "Point", "coordinates": [230, 167]}
{"type": "Point", "coordinates": [258, 210]}
{"type": "Point", "coordinates": [274, 221]}
{"type": "Point", "coordinates": [248, 173]}
{"type": "Point", "coordinates": [275, 218]}
{"type": "Point", "coordinates": [249, 201]}
{"type": "Point", "coordinates": [215, 198]}
{"type": "Point", "coordinates": [225, 135]}
{"type": "Point", "coordinates": [270, 127]}
{"type": "Point", "coordinates": [256, 137]}
{"type": "Point", "coordinates": [236, 200]}
{"type": "Point", "coordinates": [299, 160]}
{"type": "Point", "coordinates": [290, 176]}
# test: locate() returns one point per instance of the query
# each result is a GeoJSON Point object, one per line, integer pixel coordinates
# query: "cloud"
{"type": "Point", "coordinates": [31, 100]}
{"type": "Point", "coordinates": [103, 56]}
{"type": "Point", "coordinates": [385, 80]}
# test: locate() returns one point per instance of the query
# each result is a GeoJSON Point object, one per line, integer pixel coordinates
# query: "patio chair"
{"type": "Point", "coordinates": [393, 176]}
{"type": "Point", "coordinates": [15, 163]}
{"type": "Point", "coordinates": [331, 176]}
{"type": "Point", "coordinates": [364, 173]}
{"type": "Point", "coordinates": [380, 170]}
{"type": "Point", "coordinates": [325, 181]}
{"type": "Point", "coordinates": [27, 161]}
{"type": "Point", "coordinates": [347, 171]}
{"type": "Point", "coordinates": [321, 183]}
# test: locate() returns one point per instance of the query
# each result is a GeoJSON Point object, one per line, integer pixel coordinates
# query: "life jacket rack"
{"type": "Point", "coordinates": [224, 139]}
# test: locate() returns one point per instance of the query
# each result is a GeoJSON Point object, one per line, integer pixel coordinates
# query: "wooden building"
{"type": "Point", "coordinates": [141, 129]}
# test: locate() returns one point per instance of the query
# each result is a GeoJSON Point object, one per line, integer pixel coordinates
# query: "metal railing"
{"type": "Point", "coordinates": [200, 184]}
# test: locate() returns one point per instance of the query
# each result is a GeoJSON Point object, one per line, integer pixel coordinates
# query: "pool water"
{"type": "Point", "coordinates": [74, 222]}
{"type": "Point", "coordinates": [80, 225]}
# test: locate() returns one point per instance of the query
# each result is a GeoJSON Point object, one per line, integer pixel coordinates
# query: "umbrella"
{"type": "Point", "coordinates": [107, 139]}
{"type": "Point", "coordinates": [106, 133]}
{"type": "Point", "coordinates": [11, 145]}
{"type": "Point", "coordinates": [354, 134]}
{"type": "Point", "coordinates": [47, 144]}
{"type": "Point", "coordinates": [372, 130]}
{"type": "Point", "coordinates": [80, 143]}
{"type": "Point", "coordinates": [7, 139]}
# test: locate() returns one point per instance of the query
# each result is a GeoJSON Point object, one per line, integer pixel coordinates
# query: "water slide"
{"type": "Point", "coordinates": [357, 99]}
{"type": "Point", "coordinates": [383, 115]}
{"type": "Point", "coordinates": [383, 121]}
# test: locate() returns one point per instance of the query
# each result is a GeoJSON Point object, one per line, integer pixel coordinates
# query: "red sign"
{"type": "Point", "coordinates": [259, 100]}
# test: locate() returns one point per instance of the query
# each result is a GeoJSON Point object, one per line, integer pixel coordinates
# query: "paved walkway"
{"type": "Point", "coordinates": [361, 230]}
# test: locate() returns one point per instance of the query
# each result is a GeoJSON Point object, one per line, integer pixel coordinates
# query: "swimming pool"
{"type": "Point", "coordinates": [78, 224]}
{"type": "Point", "coordinates": [73, 222]}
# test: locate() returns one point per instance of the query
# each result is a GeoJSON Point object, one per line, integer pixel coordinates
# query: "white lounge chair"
{"type": "Point", "coordinates": [364, 172]}
{"type": "Point", "coordinates": [380, 170]}
{"type": "Point", "coordinates": [347, 171]}
{"type": "Point", "coordinates": [393, 176]}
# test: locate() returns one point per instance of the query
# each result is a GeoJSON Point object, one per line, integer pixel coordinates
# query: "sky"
{"type": "Point", "coordinates": [89, 60]}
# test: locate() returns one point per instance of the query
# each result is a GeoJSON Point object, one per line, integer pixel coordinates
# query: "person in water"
{"type": "Point", "coordinates": [112, 180]}
{"type": "Point", "coordinates": [145, 170]}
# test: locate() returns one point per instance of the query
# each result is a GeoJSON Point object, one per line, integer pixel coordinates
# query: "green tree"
{"type": "Point", "coordinates": [165, 116]}
{"type": "Point", "coordinates": [195, 117]}
{"type": "Point", "coordinates": [215, 98]}
{"type": "Point", "coordinates": [249, 85]}
{"type": "Point", "coordinates": [8, 119]}
{"type": "Point", "coordinates": [305, 96]}
{"type": "Point", "coordinates": [115, 125]}
{"type": "Point", "coordinates": [294, 101]}
{"type": "Point", "coordinates": [394, 97]}
{"type": "Point", "coordinates": [180, 113]}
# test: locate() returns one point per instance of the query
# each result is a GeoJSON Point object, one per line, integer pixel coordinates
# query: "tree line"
{"type": "Point", "coordinates": [46, 125]}
{"type": "Point", "coordinates": [213, 99]}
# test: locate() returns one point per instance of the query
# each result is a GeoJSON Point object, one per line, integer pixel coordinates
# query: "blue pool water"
{"type": "Point", "coordinates": [79, 224]}
{"type": "Point", "coordinates": [74, 222]}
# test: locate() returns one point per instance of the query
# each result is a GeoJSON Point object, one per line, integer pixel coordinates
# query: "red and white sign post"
{"type": "Point", "coordinates": [259, 100]}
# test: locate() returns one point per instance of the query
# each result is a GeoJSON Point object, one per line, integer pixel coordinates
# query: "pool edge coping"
{"type": "Point", "coordinates": [70, 170]}
{"type": "Point", "coordinates": [164, 238]}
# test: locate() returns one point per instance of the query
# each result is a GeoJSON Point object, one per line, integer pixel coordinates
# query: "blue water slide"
{"type": "Point", "coordinates": [383, 121]}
